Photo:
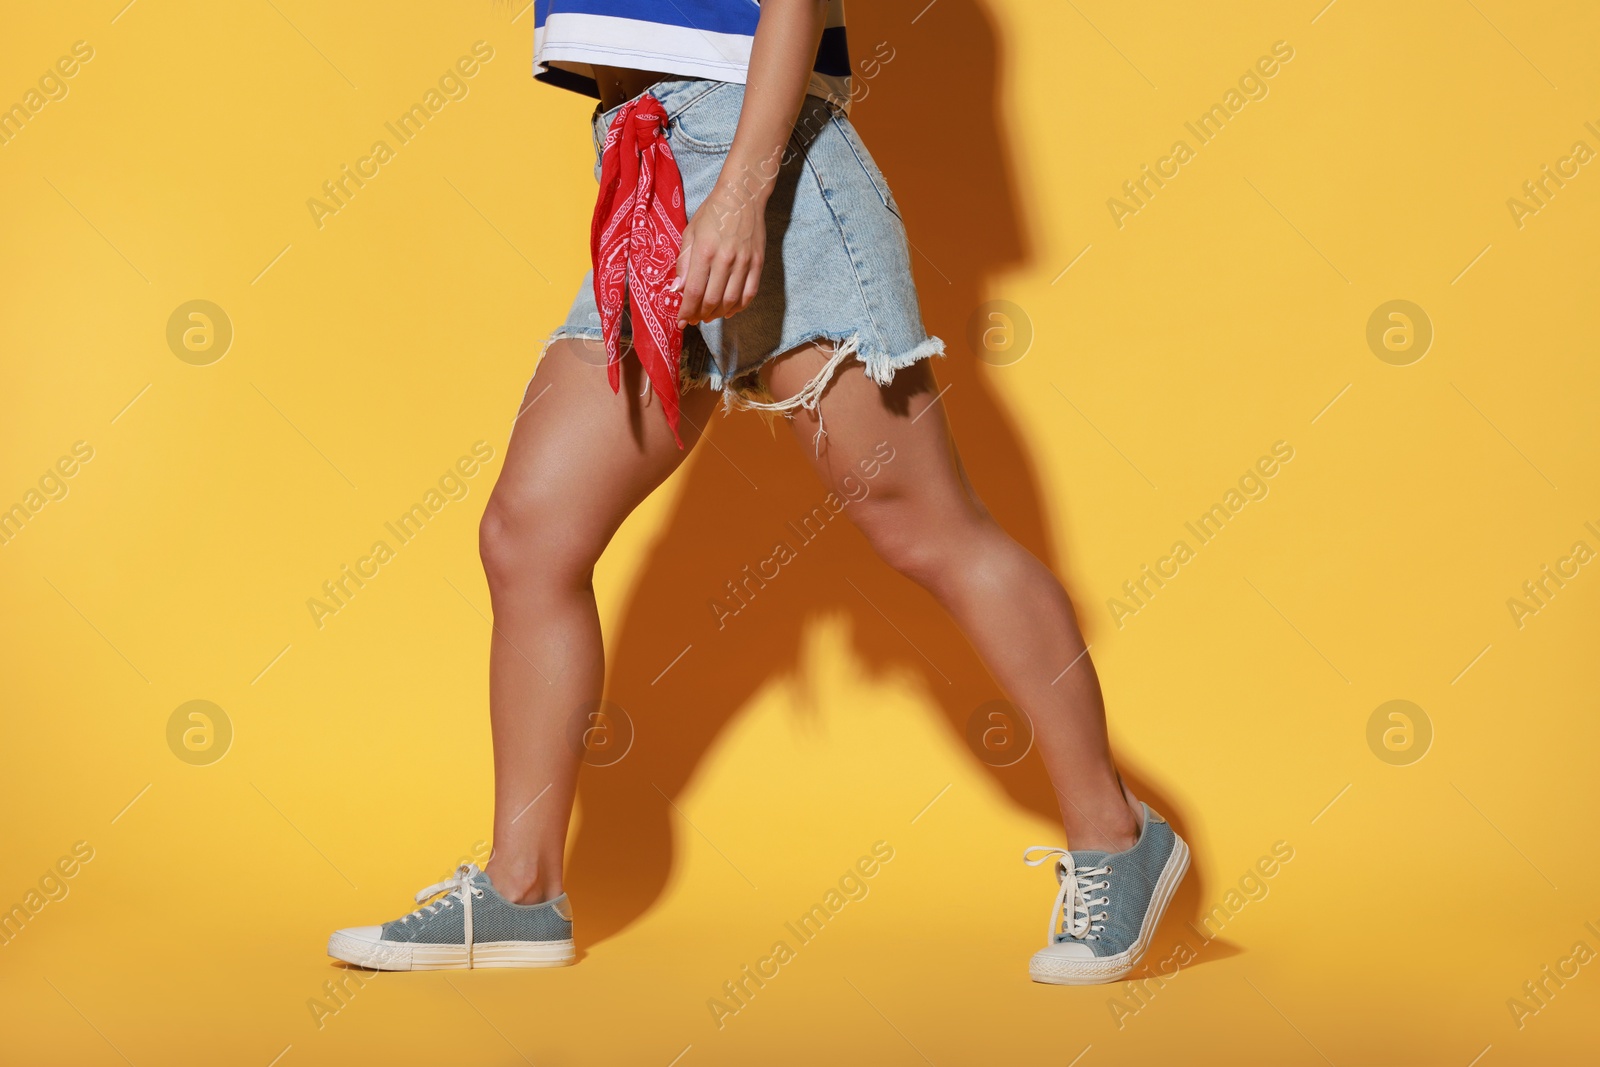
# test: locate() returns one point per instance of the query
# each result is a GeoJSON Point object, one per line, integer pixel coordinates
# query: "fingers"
{"type": "Point", "coordinates": [722, 264]}
{"type": "Point", "coordinates": [717, 285]}
{"type": "Point", "coordinates": [733, 300]}
{"type": "Point", "coordinates": [681, 277]}
{"type": "Point", "coordinates": [701, 290]}
{"type": "Point", "coordinates": [742, 285]}
{"type": "Point", "coordinates": [696, 279]}
{"type": "Point", "coordinates": [718, 276]}
{"type": "Point", "coordinates": [752, 283]}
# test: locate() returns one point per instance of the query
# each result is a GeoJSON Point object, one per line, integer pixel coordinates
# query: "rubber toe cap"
{"type": "Point", "coordinates": [1065, 950]}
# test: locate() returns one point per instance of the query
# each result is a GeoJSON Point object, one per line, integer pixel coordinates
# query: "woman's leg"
{"type": "Point", "coordinates": [580, 460]}
{"type": "Point", "coordinates": [922, 517]}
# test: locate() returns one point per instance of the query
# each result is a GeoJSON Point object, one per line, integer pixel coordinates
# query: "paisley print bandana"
{"type": "Point", "coordinates": [634, 240]}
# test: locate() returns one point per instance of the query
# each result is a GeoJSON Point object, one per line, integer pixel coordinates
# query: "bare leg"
{"type": "Point", "coordinates": [580, 460]}
{"type": "Point", "coordinates": [923, 518]}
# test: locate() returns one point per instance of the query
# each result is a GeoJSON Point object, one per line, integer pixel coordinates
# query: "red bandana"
{"type": "Point", "coordinates": [634, 241]}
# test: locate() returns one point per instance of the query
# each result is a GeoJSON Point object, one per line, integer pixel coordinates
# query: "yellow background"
{"type": "Point", "coordinates": [1228, 314]}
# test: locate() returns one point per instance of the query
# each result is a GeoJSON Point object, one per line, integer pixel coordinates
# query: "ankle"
{"type": "Point", "coordinates": [1114, 827]}
{"type": "Point", "coordinates": [522, 884]}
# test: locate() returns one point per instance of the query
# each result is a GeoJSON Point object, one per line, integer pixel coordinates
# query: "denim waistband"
{"type": "Point", "coordinates": [674, 94]}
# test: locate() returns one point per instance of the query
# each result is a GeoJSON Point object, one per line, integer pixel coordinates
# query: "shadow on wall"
{"type": "Point", "coordinates": [938, 132]}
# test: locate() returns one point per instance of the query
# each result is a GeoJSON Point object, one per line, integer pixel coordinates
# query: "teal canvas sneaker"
{"type": "Point", "coordinates": [1108, 905]}
{"type": "Point", "coordinates": [469, 925]}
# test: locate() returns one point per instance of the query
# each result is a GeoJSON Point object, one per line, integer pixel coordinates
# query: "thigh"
{"type": "Point", "coordinates": [883, 445]}
{"type": "Point", "coordinates": [583, 457]}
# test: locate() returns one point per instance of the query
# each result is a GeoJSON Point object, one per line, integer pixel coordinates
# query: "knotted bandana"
{"type": "Point", "coordinates": [634, 240]}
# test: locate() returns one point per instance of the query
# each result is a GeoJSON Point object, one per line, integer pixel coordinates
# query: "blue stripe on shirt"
{"type": "Point", "coordinates": [713, 16]}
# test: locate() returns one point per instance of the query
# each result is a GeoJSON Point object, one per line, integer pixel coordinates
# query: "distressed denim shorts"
{"type": "Point", "coordinates": [837, 267]}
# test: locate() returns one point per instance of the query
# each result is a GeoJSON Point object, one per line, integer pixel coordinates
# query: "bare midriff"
{"type": "Point", "coordinates": [618, 85]}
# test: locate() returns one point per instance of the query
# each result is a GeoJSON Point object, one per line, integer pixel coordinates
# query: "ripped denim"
{"type": "Point", "coordinates": [837, 268]}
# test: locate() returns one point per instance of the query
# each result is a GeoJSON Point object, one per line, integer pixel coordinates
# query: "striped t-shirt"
{"type": "Point", "coordinates": [694, 38]}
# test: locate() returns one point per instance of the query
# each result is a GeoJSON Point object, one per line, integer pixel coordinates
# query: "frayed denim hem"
{"type": "Point", "coordinates": [572, 333]}
{"type": "Point", "coordinates": [879, 367]}
{"type": "Point", "coordinates": [745, 391]}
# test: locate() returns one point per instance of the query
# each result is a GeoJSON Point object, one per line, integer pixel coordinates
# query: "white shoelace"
{"type": "Point", "coordinates": [458, 886]}
{"type": "Point", "coordinates": [1070, 914]}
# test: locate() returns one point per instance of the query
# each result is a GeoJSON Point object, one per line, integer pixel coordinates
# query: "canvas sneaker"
{"type": "Point", "coordinates": [1108, 905]}
{"type": "Point", "coordinates": [468, 925]}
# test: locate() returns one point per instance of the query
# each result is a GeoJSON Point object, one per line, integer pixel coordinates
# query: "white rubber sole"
{"type": "Point", "coordinates": [404, 956]}
{"type": "Point", "coordinates": [1052, 970]}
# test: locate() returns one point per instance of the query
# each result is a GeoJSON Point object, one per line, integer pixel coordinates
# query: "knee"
{"type": "Point", "coordinates": [927, 552]}
{"type": "Point", "coordinates": [523, 540]}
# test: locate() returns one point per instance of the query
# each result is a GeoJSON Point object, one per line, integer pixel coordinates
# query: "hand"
{"type": "Point", "coordinates": [719, 267]}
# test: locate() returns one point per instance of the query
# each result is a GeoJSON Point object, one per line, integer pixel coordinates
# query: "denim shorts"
{"type": "Point", "coordinates": [837, 267]}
